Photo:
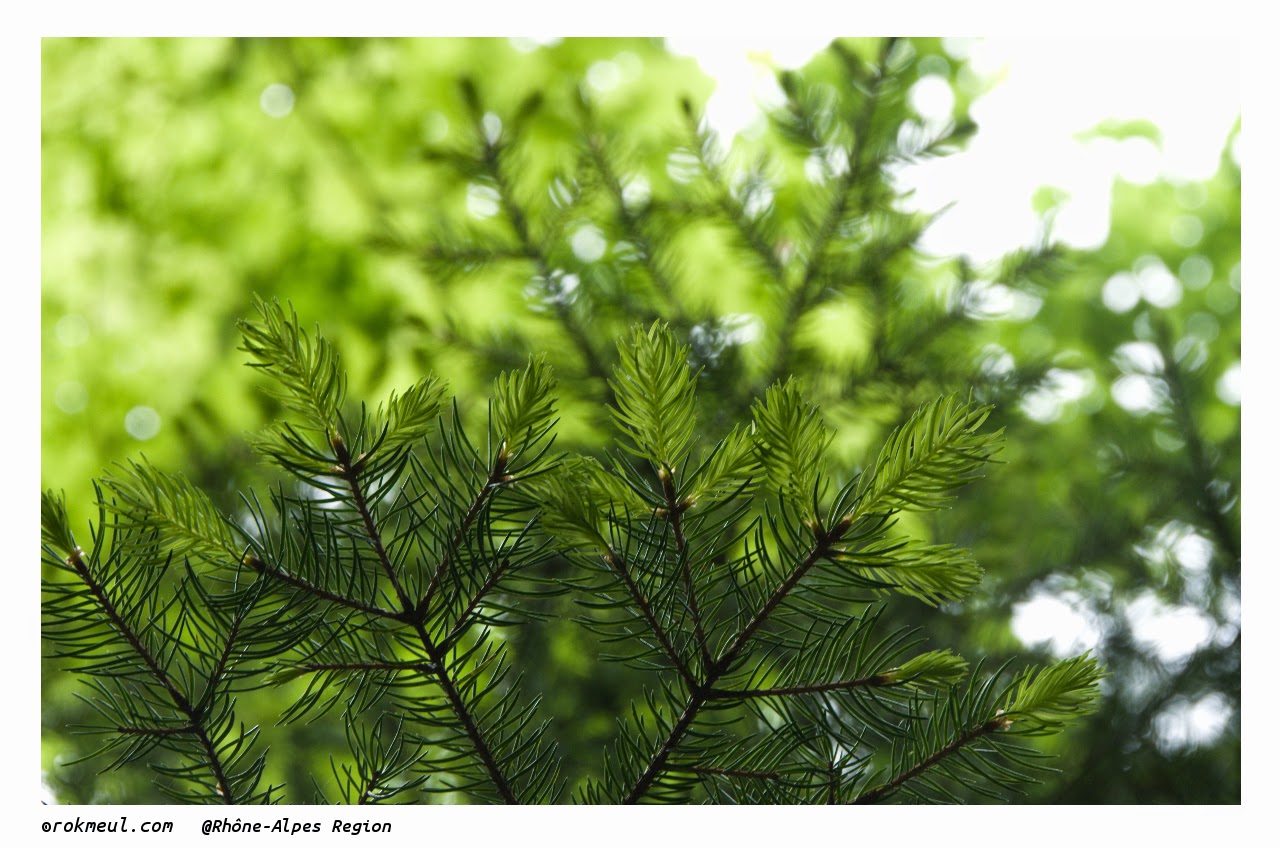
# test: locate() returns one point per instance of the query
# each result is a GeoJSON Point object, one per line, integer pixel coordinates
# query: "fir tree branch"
{"type": "Point", "coordinates": [220, 667]}
{"type": "Point", "coordinates": [351, 474]}
{"type": "Point", "coordinates": [659, 760]}
{"type": "Point", "coordinates": [463, 623]}
{"type": "Point", "coordinates": [491, 161]}
{"type": "Point", "coordinates": [157, 731]}
{"type": "Point", "coordinates": [967, 737]}
{"type": "Point", "coordinates": [1210, 506]}
{"type": "Point", "coordinates": [801, 297]}
{"type": "Point", "coordinates": [618, 563]}
{"type": "Point", "coordinates": [675, 509]}
{"type": "Point", "coordinates": [811, 689]}
{"type": "Point", "coordinates": [194, 715]}
{"type": "Point", "coordinates": [496, 473]}
{"type": "Point", "coordinates": [320, 592]}
{"type": "Point", "coordinates": [727, 772]}
{"type": "Point", "coordinates": [425, 669]}
{"type": "Point", "coordinates": [821, 549]}
{"type": "Point", "coordinates": [701, 692]}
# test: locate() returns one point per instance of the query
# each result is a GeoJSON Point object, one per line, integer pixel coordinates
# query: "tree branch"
{"type": "Point", "coordinates": [702, 692]}
{"type": "Point", "coordinates": [810, 689]}
{"type": "Point", "coordinates": [184, 705]}
{"type": "Point", "coordinates": [437, 654]}
{"type": "Point", "coordinates": [619, 565]}
{"type": "Point", "coordinates": [965, 738]}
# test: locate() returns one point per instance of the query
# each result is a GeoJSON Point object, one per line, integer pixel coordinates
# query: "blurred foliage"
{"type": "Point", "coordinates": [453, 205]}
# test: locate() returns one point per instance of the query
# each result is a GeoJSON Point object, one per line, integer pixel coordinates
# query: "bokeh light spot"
{"type": "Point", "coordinates": [482, 201]}
{"type": "Point", "coordinates": [1195, 271]}
{"type": "Point", "coordinates": [72, 330]}
{"type": "Point", "coordinates": [588, 243]}
{"type": "Point", "coordinates": [1186, 231]}
{"type": "Point", "coordinates": [1159, 286]}
{"type": "Point", "coordinates": [1187, 724]}
{"type": "Point", "coordinates": [276, 100]}
{"type": "Point", "coordinates": [491, 126]}
{"type": "Point", "coordinates": [1171, 633]}
{"type": "Point", "coordinates": [1230, 385]}
{"type": "Point", "coordinates": [604, 75]}
{"type": "Point", "coordinates": [1057, 619]}
{"type": "Point", "coordinates": [933, 100]}
{"type": "Point", "coordinates": [71, 397]}
{"type": "Point", "coordinates": [1136, 393]}
{"type": "Point", "coordinates": [142, 422]}
{"type": "Point", "coordinates": [1121, 293]}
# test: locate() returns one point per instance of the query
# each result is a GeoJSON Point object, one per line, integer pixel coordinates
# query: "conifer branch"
{"type": "Point", "coordinates": [416, 615]}
{"type": "Point", "coordinates": [632, 224]}
{"type": "Point", "coordinates": [496, 473]}
{"type": "Point", "coordinates": [425, 669]}
{"type": "Point", "coordinates": [701, 691]}
{"type": "Point", "coordinates": [801, 297]}
{"type": "Point", "coordinates": [967, 737]}
{"type": "Point", "coordinates": [619, 566]}
{"type": "Point", "coordinates": [195, 716]}
{"type": "Point", "coordinates": [727, 772]}
{"type": "Point", "coordinates": [157, 731]}
{"type": "Point", "coordinates": [464, 618]}
{"type": "Point", "coordinates": [491, 161]}
{"type": "Point", "coordinates": [675, 509]}
{"type": "Point", "coordinates": [320, 592]}
{"type": "Point", "coordinates": [811, 689]}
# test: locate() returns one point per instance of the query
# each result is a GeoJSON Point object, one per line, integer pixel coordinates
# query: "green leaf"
{"type": "Point", "coordinates": [570, 511]}
{"type": "Point", "coordinates": [298, 452]}
{"type": "Point", "coordinates": [307, 372]}
{"type": "Point", "coordinates": [524, 406]}
{"type": "Point", "coordinates": [731, 466]}
{"type": "Point", "coordinates": [188, 522]}
{"type": "Point", "coordinates": [791, 440]}
{"type": "Point", "coordinates": [55, 529]}
{"type": "Point", "coordinates": [410, 416]}
{"type": "Point", "coordinates": [654, 390]}
{"type": "Point", "coordinates": [934, 574]}
{"type": "Point", "coordinates": [608, 489]}
{"type": "Point", "coordinates": [1046, 700]}
{"type": "Point", "coordinates": [934, 669]}
{"type": "Point", "coordinates": [939, 449]}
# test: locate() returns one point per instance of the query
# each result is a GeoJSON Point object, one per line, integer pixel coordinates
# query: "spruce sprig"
{"type": "Point", "coordinates": [719, 633]}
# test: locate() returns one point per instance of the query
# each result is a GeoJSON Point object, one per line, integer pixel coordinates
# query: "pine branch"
{"type": "Point", "coordinates": [701, 690]}
{"type": "Point", "coordinates": [968, 737]}
{"type": "Point", "coordinates": [320, 592]}
{"type": "Point", "coordinates": [496, 474]}
{"type": "Point", "coordinates": [801, 297]}
{"type": "Point", "coordinates": [619, 567]}
{"type": "Point", "coordinates": [675, 509]}
{"type": "Point", "coordinates": [195, 716]}
{"type": "Point", "coordinates": [415, 614]}
{"type": "Point", "coordinates": [811, 689]}
{"type": "Point", "coordinates": [633, 224]}
{"type": "Point", "coordinates": [492, 164]}
{"type": "Point", "coordinates": [1201, 475]}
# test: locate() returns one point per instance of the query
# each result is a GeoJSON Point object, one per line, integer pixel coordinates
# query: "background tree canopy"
{"type": "Point", "coordinates": [453, 205]}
